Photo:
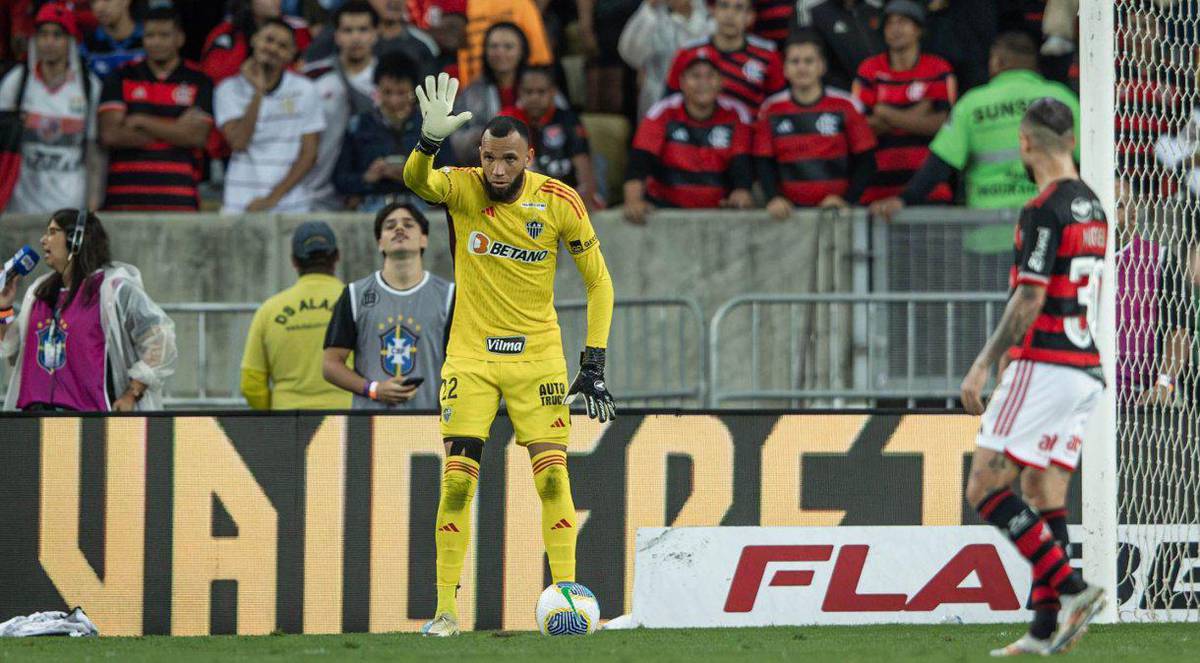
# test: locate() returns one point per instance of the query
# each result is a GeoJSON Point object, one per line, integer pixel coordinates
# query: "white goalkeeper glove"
{"type": "Point", "coordinates": [436, 98]}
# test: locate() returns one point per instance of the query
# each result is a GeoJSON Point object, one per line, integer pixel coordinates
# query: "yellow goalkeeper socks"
{"type": "Point", "coordinates": [558, 512]}
{"type": "Point", "coordinates": [459, 478]}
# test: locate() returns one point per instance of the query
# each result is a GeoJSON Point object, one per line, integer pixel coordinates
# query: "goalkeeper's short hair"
{"type": "Point", "coordinates": [502, 125]}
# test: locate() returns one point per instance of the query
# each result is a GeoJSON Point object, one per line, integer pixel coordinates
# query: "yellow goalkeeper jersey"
{"type": "Point", "coordinates": [505, 256]}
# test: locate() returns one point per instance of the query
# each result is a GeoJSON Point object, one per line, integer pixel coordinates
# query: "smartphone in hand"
{"type": "Point", "coordinates": [414, 381]}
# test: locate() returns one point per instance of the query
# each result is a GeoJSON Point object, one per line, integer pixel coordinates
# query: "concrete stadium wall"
{"type": "Point", "coordinates": [711, 255]}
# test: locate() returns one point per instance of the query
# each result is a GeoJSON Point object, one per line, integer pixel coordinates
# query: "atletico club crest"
{"type": "Point", "coordinates": [398, 346]}
{"type": "Point", "coordinates": [534, 228]}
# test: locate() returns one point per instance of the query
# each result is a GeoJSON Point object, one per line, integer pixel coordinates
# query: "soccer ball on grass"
{"type": "Point", "coordinates": [567, 608]}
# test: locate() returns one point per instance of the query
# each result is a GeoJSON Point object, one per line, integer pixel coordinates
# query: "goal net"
{"type": "Point", "coordinates": [1156, 189]}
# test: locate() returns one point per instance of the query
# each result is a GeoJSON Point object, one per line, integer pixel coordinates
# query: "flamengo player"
{"type": "Point", "coordinates": [506, 223]}
{"type": "Point", "coordinates": [1033, 424]}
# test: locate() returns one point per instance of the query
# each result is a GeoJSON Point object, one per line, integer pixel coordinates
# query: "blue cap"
{"type": "Point", "coordinates": [311, 238]}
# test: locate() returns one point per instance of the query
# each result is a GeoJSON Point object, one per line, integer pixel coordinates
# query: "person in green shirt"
{"type": "Point", "coordinates": [980, 137]}
{"type": "Point", "coordinates": [281, 366]}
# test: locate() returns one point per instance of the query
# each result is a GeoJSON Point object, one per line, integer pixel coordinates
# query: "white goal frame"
{"type": "Point", "coordinates": [1097, 103]}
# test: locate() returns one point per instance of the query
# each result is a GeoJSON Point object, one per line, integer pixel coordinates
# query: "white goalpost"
{"type": "Point", "coordinates": [1097, 155]}
{"type": "Point", "coordinates": [1141, 467]}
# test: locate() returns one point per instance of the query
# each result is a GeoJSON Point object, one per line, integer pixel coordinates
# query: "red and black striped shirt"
{"type": "Point", "coordinates": [688, 162]}
{"type": "Point", "coordinates": [773, 20]}
{"type": "Point", "coordinates": [159, 176]}
{"type": "Point", "coordinates": [1146, 109]}
{"type": "Point", "coordinates": [812, 144]}
{"type": "Point", "coordinates": [748, 74]}
{"type": "Point", "coordinates": [900, 154]}
{"type": "Point", "coordinates": [1059, 243]}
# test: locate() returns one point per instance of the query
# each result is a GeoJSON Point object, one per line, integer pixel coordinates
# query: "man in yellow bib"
{"type": "Point", "coordinates": [506, 225]}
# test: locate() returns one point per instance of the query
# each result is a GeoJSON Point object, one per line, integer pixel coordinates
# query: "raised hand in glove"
{"type": "Point", "coordinates": [590, 384]}
{"type": "Point", "coordinates": [437, 103]}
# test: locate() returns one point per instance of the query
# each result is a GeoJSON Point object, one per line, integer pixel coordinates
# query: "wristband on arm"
{"type": "Point", "coordinates": [371, 390]}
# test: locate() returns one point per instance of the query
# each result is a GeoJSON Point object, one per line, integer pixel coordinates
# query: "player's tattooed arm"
{"type": "Point", "coordinates": [1023, 308]}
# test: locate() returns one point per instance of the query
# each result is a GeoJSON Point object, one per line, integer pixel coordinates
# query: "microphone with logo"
{"type": "Point", "coordinates": [21, 264]}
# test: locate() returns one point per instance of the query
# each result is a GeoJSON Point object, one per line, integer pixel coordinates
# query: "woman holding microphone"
{"type": "Point", "coordinates": [87, 337]}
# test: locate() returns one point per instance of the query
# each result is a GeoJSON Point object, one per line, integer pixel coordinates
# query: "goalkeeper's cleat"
{"type": "Point", "coordinates": [1079, 609]}
{"type": "Point", "coordinates": [442, 626]}
{"type": "Point", "coordinates": [1026, 645]}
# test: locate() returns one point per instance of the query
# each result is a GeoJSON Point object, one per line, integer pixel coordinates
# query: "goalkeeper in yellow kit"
{"type": "Point", "coordinates": [506, 224]}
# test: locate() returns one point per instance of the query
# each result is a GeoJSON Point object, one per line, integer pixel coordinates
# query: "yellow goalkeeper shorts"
{"type": "Point", "coordinates": [532, 390]}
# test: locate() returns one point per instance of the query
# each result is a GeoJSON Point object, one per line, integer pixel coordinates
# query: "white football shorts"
{"type": "Point", "coordinates": [1038, 412]}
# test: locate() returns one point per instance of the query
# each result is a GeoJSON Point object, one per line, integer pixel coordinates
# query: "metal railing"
{"type": "Point", "coordinates": [841, 349]}
{"type": "Point", "coordinates": [657, 349]}
{"type": "Point", "coordinates": [784, 351]}
{"type": "Point", "coordinates": [200, 396]}
{"type": "Point", "coordinates": [658, 358]}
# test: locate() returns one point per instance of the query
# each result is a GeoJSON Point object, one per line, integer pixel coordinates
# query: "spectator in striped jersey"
{"type": "Point", "coordinates": [908, 95]}
{"type": "Point", "coordinates": [155, 116]}
{"type": "Point", "coordinates": [1147, 100]}
{"type": "Point", "coordinates": [691, 149]}
{"type": "Point", "coordinates": [774, 19]}
{"type": "Point", "coordinates": [812, 144]}
{"type": "Point", "coordinates": [749, 66]}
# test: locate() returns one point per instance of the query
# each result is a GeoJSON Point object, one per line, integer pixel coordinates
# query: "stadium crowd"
{"type": "Point", "coordinates": [309, 105]}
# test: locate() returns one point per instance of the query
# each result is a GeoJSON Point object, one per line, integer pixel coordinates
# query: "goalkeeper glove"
{"type": "Point", "coordinates": [437, 101]}
{"type": "Point", "coordinates": [590, 383]}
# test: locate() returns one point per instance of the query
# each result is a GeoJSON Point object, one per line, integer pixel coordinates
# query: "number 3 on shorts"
{"type": "Point", "coordinates": [1079, 328]}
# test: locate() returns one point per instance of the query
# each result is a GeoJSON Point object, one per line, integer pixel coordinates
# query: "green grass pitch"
{"type": "Point", "coordinates": [927, 644]}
